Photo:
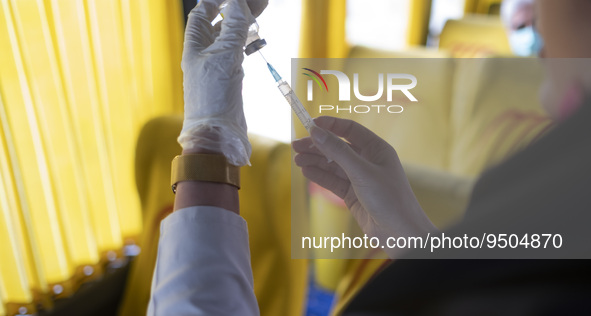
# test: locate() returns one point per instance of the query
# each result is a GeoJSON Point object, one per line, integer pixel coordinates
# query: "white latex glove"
{"type": "Point", "coordinates": [366, 173]}
{"type": "Point", "coordinates": [212, 75]}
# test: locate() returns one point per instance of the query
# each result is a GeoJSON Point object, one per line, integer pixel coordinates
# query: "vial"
{"type": "Point", "coordinates": [253, 41]}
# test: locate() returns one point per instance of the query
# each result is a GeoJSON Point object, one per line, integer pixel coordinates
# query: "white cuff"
{"type": "Point", "coordinates": [203, 265]}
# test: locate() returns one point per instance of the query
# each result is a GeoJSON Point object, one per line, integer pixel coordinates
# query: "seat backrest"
{"type": "Point", "coordinates": [496, 111]}
{"type": "Point", "coordinates": [475, 36]}
{"type": "Point", "coordinates": [425, 123]}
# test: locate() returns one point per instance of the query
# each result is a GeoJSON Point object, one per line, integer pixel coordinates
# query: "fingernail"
{"type": "Point", "coordinates": [318, 134]}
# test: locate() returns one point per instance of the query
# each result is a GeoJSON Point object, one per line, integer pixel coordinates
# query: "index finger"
{"type": "Point", "coordinates": [356, 134]}
{"type": "Point", "coordinates": [199, 31]}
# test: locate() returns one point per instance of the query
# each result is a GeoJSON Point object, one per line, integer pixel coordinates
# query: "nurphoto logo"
{"type": "Point", "coordinates": [391, 83]}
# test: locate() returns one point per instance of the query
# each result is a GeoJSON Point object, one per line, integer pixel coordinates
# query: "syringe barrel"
{"type": "Point", "coordinates": [296, 105]}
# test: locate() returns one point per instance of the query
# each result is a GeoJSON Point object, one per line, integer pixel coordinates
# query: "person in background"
{"type": "Point", "coordinates": [518, 18]}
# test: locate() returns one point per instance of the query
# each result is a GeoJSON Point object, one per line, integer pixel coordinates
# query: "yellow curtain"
{"type": "Point", "coordinates": [489, 6]}
{"type": "Point", "coordinates": [15, 282]}
{"type": "Point", "coordinates": [470, 6]}
{"type": "Point", "coordinates": [2, 310]}
{"type": "Point", "coordinates": [323, 29]}
{"type": "Point", "coordinates": [24, 102]}
{"type": "Point", "coordinates": [78, 79]}
{"type": "Point", "coordinates": [481, 6]}
{"type": "Point", "coordinates": [418, 28]}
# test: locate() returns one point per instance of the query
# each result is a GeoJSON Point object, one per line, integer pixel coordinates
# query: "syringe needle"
{"type": "Point", "coordinates": [263, 57]}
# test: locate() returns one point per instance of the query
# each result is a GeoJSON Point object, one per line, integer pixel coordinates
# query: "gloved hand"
{"type": "Point", "coordinates": [366, 173]}
{"type": "Point", "coordinates": [212, 75]}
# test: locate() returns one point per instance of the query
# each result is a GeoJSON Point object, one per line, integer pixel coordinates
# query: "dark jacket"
{"type": "Point", "coordinates": [545, 188]}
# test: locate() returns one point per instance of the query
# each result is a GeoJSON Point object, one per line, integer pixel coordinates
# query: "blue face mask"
{"type": "Point", "coordinates": [526, 42]}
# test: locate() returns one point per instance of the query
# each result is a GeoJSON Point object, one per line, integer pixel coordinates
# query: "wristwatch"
{"type": "Point", "coordinates": [204, 167]}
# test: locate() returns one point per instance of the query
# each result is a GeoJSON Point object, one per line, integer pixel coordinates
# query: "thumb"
{"type": "Point", "coordinates": [257, 6]}
{"type": "Point", "coordinates": [336, 149]}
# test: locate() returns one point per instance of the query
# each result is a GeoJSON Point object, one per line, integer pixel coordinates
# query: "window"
{"type": "Point", "coordinates": [267, 112]}
{"type": "Point", "coordinates": [381, 24]}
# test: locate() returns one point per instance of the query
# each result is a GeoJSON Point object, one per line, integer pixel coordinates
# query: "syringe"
{"type": "Point", "coordinates": [291, 98]}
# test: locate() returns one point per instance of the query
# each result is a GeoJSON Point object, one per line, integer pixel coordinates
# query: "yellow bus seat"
{"type": "Point", "coordinates": [475, 36]}
{"type": "Point", "coordinates": [496, 111]}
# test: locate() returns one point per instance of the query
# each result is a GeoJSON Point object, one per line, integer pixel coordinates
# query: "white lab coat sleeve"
{"type": "Point", "coordinates": [203, 265]}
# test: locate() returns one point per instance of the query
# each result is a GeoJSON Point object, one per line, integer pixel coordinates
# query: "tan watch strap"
{"type": "Point", "coordinates": [204, 167]}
